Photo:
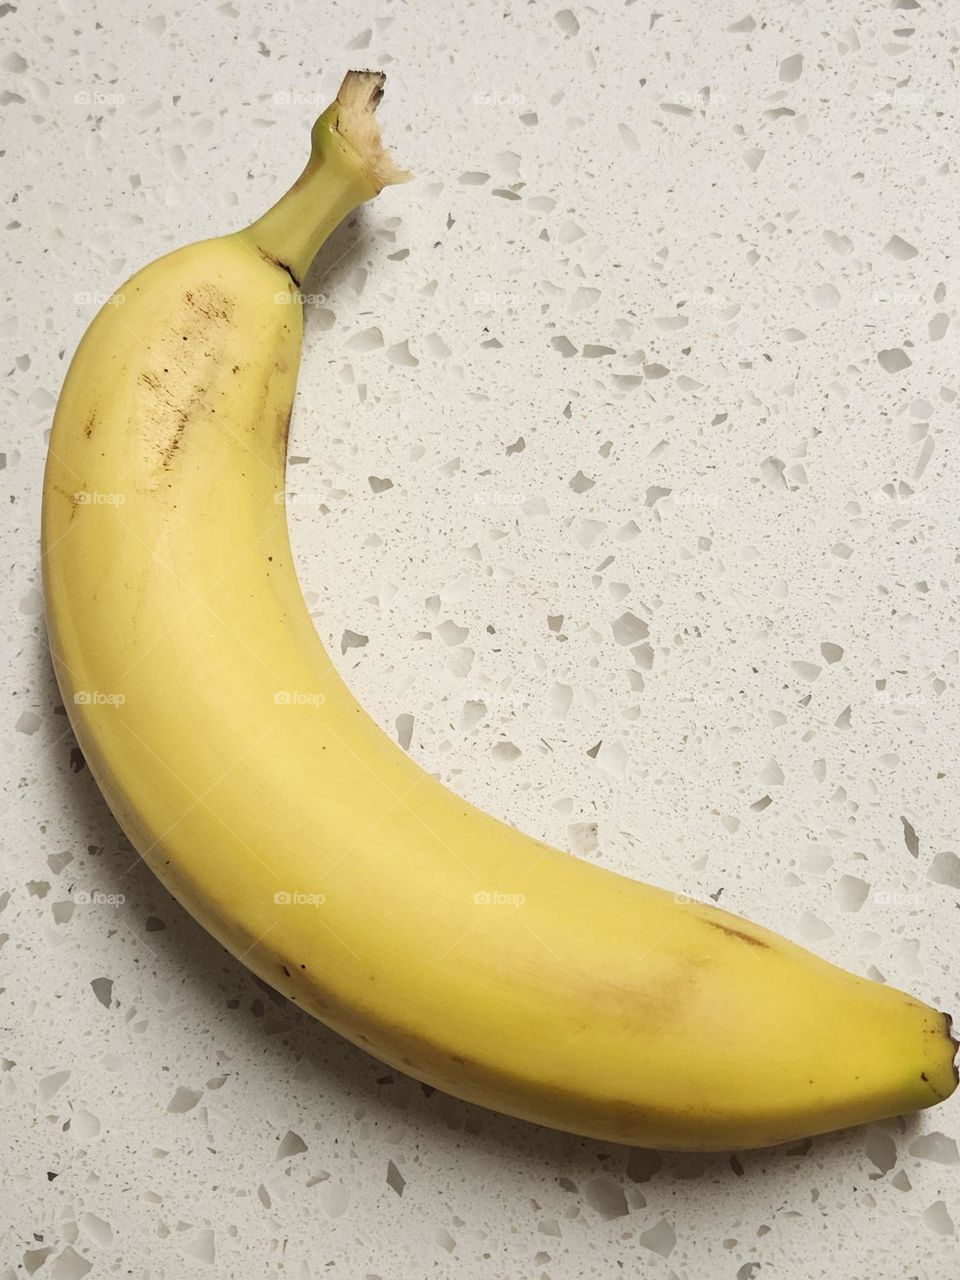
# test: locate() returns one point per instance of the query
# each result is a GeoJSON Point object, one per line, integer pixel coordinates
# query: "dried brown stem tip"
{"type": "Point", "coordinates": [358, 98]}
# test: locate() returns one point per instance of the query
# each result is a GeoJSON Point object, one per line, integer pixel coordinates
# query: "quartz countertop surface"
{"type": "Point", "coordinates": [630, 433]}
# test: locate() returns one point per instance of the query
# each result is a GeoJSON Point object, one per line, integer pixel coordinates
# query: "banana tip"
{"type": "Point", "coordinates": [954, 1045]}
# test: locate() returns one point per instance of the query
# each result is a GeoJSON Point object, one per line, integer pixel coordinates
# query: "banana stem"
{"type": "Point", "coordinates": [348, 164]}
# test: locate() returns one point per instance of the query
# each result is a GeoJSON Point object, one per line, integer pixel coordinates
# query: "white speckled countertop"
{"type": "Point", "coordinates": [625, 463]}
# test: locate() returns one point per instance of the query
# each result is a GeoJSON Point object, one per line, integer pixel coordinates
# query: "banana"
{"type": "Point", "coordinates": [444, 942]}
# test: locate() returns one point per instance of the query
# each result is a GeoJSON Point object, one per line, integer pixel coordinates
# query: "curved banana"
{"type": "Point", "coordinates": [446, 943]}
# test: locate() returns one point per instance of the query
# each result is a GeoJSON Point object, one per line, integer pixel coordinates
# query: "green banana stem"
{"type": "Point", "coordinates": [348, 164]}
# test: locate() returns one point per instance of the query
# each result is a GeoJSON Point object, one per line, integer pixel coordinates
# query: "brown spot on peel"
{"type": "Point", "coordinates": [283, 427]}
{"type": "Point", "coordinates": [180, 394]}
{"type": "Point", "coordinates": [72, 498]}
{"type": "Point", "coordinates": [207, 308]}
{"type": "Point", "coordinates": [173, 444]}
{"type": "Point", "coordinates": [281, 266]}
{"type": "Point", "coordinates": [737, 933]}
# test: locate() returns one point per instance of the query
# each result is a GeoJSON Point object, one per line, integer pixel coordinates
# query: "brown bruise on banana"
{"type": "Point", "coordinates": [176, 390]}
{"type": "Point", "coordinates": [440, 1064]}
{"type": "Point", "coordinates": [281, 266]}
{"type": "Point", "coordinates": [469, 1077]}
{"type": "Point", "coordinates": [73, 498]}
{"type": "Point", "coordinates": [737, 933]}
{"type": "Point", "coordinates": [282, 433]}
{"type": "Point", "coordinates": [212, 308]}
{"type": "Point", "coordinates": [476, 1080]}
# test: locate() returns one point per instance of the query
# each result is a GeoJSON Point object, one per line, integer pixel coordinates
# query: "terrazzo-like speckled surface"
{"type": "Point", "coordinates": [624, 492]}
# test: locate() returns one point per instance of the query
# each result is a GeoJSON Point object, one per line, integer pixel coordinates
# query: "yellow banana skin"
{"type": "Point", "coordinates": [239, 765]}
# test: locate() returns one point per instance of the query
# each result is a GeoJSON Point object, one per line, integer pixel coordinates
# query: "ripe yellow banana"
{"type": "Point", "coordinates": [239, 765]}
